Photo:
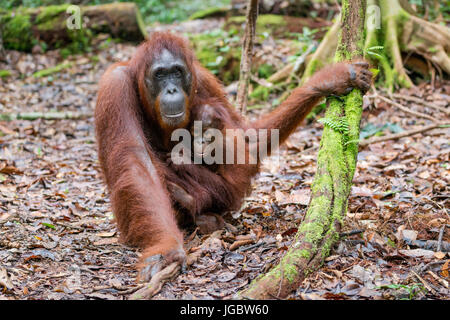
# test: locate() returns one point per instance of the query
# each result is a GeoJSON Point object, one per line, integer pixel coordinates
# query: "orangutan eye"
{"type": "Point", "coordinates": [178, 72]}
{"type": "Point", "coordinates": [159, 73]}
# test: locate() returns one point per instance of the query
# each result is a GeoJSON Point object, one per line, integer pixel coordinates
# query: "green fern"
{"type": "Point", "coordinates": [339, 125]}
{"type": "Point", "coordinates": [371, 51]}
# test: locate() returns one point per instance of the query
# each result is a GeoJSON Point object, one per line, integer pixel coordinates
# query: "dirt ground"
{"type": "Point", "coordinates": [58, 239]}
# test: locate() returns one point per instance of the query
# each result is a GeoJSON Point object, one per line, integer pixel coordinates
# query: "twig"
{"type": "Point", "coordinates": [399, 135]}
{"type": "Point", "coordinates": [262, 82]}
{"type": "Point", "coordinates": [429, 245]}
{"type": "Point", "coordinates": [246, 58]}
{"type": "Point", "coordinates": [441, 281]}
{"type": "Point", "coordinates": [417, 100]}
{"type": "Point", "coordinates": [426, 284]}
{"type": "Point", "coordinates": [399, 106]}
{"type": "Point", "coordinates": [252, 246]}
{"type": "Point", "coordinates": [350, 233]}
{"type": "Point", "coordinates": [441, 235]}
{"type": "Point", "coordinates": [240, 243]}
{"type": "Point", "coordinates": [314, 148]}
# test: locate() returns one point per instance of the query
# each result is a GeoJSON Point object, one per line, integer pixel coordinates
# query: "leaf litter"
{"type": "Point", "coordinates": [58, 239]}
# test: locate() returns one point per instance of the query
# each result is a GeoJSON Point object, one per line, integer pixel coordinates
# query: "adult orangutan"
{"type": "Point", "coordinates": [163, 88]}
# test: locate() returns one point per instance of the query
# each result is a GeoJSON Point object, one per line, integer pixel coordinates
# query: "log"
{"type": "Point", "coordinates": [57, 26]}
{"type": "Point", "coordinates": [281, 7]}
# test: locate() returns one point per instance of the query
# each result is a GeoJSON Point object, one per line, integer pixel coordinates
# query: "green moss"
{"type": "Point", "coordinates": [269, 23]}
{"type": "Point", "coordinates": [49, 71]}
{"type": "Point", "coordinates": [265, 70]}
{"type": "Point", "coordinates": [260, 93]}
{"type": "Point", "coordinates": [5, 73]}
{"type": "Point", "coordinates": [210, 12]}
{"type": "Point", "coordinates": [17, 33]}
{"type": "Point", "coordinates": [311, 68]}
{"type": "Point", "coordinates": [222, 58]}
{"type": "Point", "coordinates": [50, 12]}
{"type": "Point", "coordinates": [331, 238]}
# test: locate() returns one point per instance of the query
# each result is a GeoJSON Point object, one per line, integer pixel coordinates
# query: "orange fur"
{"type": "Point", "coordinates": [133, 148]}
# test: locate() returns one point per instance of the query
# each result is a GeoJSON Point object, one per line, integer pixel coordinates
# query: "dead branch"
{"type": "Point", "coordinates": [430, 245]}
{"type": "Point", "coordinates": [399, 135]}
{"type": "Point", "coordinates": [420, 101]}
{"type": "Point", "coordinates": [399, 106]}
{"type": "Point", "coordinates": [246, 58]}
{"type": "Point", "coordinates": [441, 235]}
{"type": "Point", "coordinates": [240, 243]}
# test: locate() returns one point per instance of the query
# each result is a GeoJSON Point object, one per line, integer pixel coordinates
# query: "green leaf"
{"type": "Point", "coordinates": [49, 225]}
{"type": "Point", "coordinates": [375, 72]}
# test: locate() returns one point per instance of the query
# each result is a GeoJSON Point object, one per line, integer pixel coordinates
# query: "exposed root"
{"type": "Point", "coordinates": [428, 39]}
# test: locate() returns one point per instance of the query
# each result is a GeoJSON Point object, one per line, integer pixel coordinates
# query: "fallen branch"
{"type": "Point", "coordinates": [350, 233]}
{"type": "Point", "coordinates": [441, 235]}
{"type": "Point", "coordinates": [240, 243]}
{"type": "Point", "coordinates": [45, 116]}
{"type": "Point", "coordinates": [440, 280]}
{"type": "Point", "coordinates": [403, 134]}
{"type": "Point", "coordinates": [399, 106]}
{"type": "Point", "coordinates": [420, 101]}
{"type": "Point", "coordinates": [426, 284]}
{"type": "Point", "coordinates": [430, 245]}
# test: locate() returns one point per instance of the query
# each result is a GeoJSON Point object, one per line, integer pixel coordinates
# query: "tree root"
{"type": "Point", "coordinates": [324, 53]}
{"type": "Point", "coordinates": [401, 32]}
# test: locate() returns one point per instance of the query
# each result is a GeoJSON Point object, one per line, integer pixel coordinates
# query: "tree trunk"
{"type": "Point", "coordinates": [59, 26]}
{"type": "Point", "coordinates": [336, 165]}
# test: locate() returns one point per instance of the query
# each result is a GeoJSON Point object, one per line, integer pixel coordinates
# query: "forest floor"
{"type": "Point", "coordinates": [58, 239]}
